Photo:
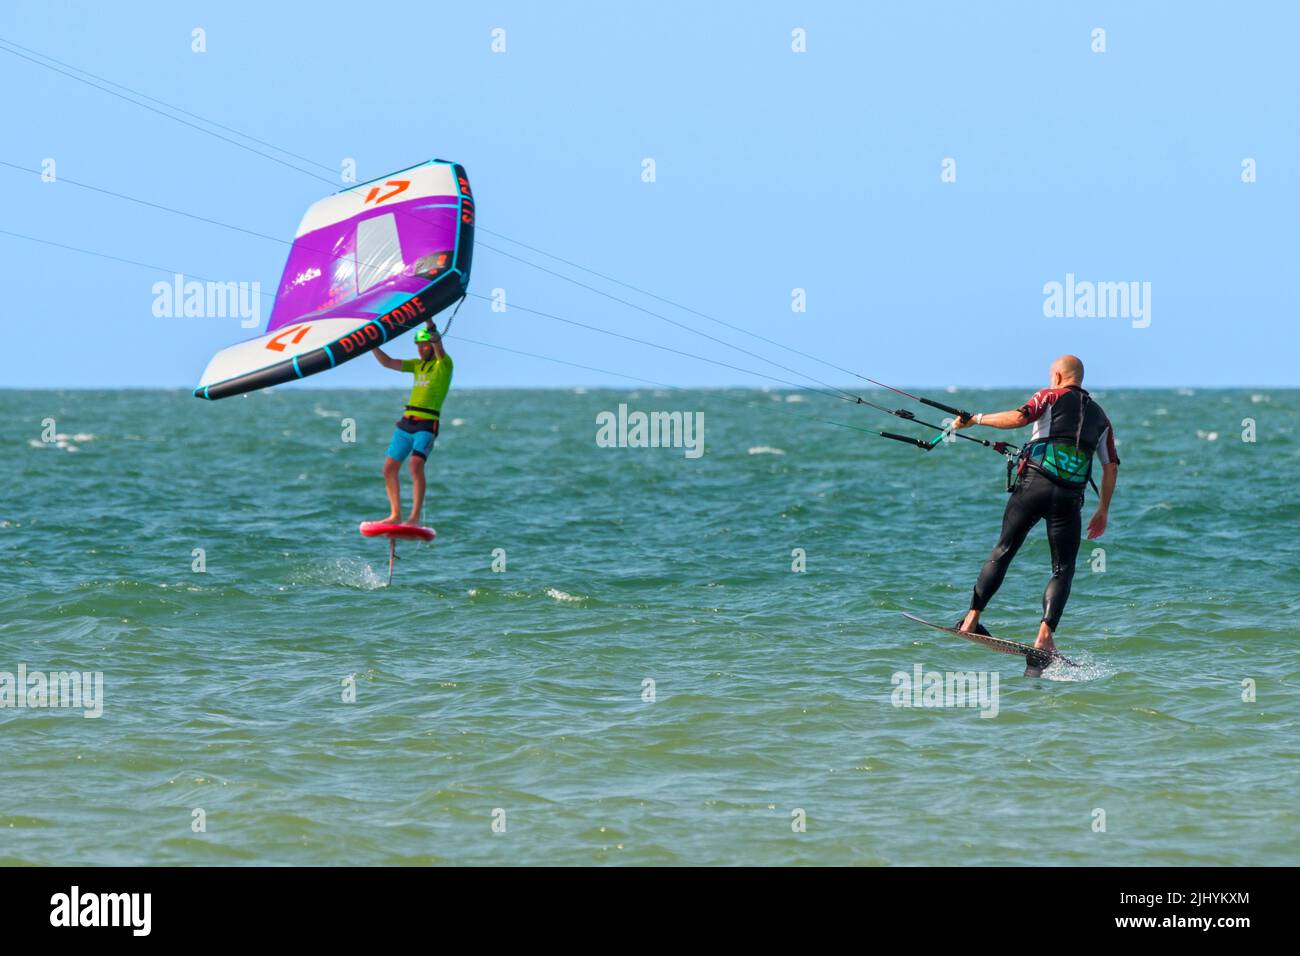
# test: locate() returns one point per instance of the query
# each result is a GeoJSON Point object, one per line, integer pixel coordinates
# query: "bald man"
{"type": "Point", "coordinates": [1055, 467]}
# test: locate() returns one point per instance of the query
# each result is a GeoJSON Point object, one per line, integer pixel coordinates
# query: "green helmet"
{"type": "Point", "coordinates": [422, 335]}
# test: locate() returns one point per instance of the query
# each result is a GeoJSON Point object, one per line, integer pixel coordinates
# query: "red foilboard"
{"type": "Point", "coordinates": [385, 529]}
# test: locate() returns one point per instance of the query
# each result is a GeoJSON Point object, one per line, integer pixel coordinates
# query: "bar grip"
{"type": "Point", "coordinates": [945, 408]}
{"type": "Point", "coordinates": [918, 442]}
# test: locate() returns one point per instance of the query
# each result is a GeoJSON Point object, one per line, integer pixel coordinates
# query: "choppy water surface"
{"type": "Point", "coordinates": [521, 695]}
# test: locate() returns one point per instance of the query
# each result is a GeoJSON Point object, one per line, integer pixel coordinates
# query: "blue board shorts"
{"type": "Point", "coordinates": [413, 436]}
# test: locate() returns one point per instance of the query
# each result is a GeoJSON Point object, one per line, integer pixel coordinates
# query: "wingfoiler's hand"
{"type": "Point", "coordinates": [1097, 525]}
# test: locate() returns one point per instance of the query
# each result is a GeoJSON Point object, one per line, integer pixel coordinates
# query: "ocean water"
{"type": "Point", "coordinates": [506, 716]}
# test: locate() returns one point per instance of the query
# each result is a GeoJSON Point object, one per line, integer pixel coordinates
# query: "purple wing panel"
{"type": "Point", "coordinates": [333, 265]}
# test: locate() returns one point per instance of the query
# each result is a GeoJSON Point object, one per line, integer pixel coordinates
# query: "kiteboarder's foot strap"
{"type": "Point", "coordinates": [979, 628]}
{"type": "Point", "coordinates": [1038, 660]}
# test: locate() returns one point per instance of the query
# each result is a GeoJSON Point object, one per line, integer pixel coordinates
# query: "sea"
{"type": "Point", "coordinates": [624, 655]}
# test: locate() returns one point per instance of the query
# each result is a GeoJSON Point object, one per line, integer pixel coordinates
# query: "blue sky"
{"type": "Point", "coordinates": [775, 170]}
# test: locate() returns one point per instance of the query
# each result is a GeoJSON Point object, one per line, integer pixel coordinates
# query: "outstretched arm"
{"type": "Point", "coordinates": [386, 360]}
{"type": "Point", "coordinates": [1016, 418]}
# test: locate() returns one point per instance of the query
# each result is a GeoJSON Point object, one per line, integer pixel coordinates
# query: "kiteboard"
{"type": "Point", "coordinates": [395, 532]}
{"type": "Point", "coordinates": [1035, 659]}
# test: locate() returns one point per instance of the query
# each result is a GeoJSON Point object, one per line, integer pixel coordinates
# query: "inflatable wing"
{"type": "Point", "coordinates": [368, 264]}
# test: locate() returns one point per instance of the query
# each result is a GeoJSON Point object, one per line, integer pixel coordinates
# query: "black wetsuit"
{"type": "Point", "coordinates": [1069, 429]}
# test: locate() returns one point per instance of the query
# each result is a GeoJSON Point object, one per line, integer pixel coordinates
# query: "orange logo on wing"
{"type": "Point", "coordinates": [399, 186]}
{"type": "Point", "coordinates": [275, 345]}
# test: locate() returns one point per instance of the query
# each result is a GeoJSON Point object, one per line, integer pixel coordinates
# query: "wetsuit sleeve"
{"type": "Point", "coordinates": [1107, 453]}
{"type": "Point", "coordinates": [1039, 402]}
{"type": "Point", "coordinates": [408, 365]}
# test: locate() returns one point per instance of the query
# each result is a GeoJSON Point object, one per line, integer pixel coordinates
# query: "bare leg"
{"type": "Point", "coordinates": [1044, 641]}
{"type": "Point", "coordinates": [971, 621]}
{"type": "Point", "coordinates": [1033, 667]}
{"type": "Point", "coordinates": [417, 496]}
{"type": "Point", "coordinates": [392, 484]}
